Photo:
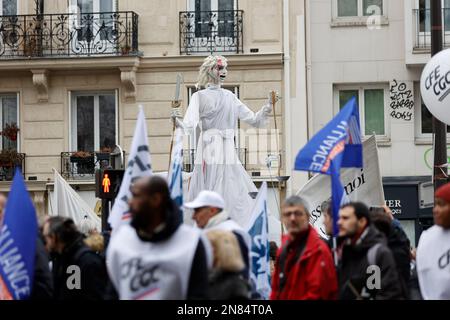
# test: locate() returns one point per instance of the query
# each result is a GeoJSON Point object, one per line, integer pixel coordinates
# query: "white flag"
{"type": "Point", "coordinates": [364, 185]}
{"type": "Point", "coordinates": [67, 203]}
{"type": "Point", "coordinates": [259, 233]}
{"type": "Point", "coordinates": [175, 171]}
{"type": "Point", "coordinates": [139, 165]}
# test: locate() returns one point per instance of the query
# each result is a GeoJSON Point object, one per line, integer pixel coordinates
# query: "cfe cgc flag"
{"type": "Point", "coordinates": [259, 233]}
{"type": "Point", "coordinates": [18, 237]}
{"type": "Point", "coordinates": [338, 145]}
{"type": "Point", "coordinates": [139, 165]}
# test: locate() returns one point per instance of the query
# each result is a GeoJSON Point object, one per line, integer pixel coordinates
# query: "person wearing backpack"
{"type": "Point", "coordinates": [397, 241]}
{"type": "Point", "coordinates": [366, 268]}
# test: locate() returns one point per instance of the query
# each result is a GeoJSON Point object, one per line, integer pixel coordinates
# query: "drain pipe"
{"type": "Point", "coordinates": [287, 97]}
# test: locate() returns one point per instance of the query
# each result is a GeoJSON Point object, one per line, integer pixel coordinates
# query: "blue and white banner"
{"type": "Point", "coordinates": [175, 171]}
{"type": "Point", "coordinates": [363, 185]}
{"type": "Point", "coordinates": [336, 146]}
{"type": "Point", "coordinates": [259, 234]}
{"type": "Point", "coordinates": [18, 237]}
{"type": "Point", "coordinates": [139, 165]}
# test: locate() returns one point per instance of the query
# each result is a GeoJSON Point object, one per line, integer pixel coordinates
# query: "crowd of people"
{"type": "Point", "coordinates": [157, 256]}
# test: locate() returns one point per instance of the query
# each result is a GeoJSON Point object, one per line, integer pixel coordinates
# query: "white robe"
{"type": "Point", "coordinates": [217, 166]}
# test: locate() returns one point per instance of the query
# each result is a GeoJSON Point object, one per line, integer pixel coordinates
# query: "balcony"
{"type": "Point", "coordinates": [69, 35]}
{"type": "Point", "coordinates": [9, 161]}
{"type": "Point", "coordinates": [81, 165]}
{"type": "Point", "coordinates": [422, 23]}
{"type": "Point", "coordinates": [189, 158]}
{"type": "Point", "coordinates": [211, 32]}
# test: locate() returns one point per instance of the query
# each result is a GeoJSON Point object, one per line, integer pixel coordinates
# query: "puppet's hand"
{"type": "Point", "coordinates": [267, 109]}
{"type": "Point", "coordinates": [176, 113]}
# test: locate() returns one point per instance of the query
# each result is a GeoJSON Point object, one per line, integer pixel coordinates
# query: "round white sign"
{"type": "Point", "coordinates": [435, 86]}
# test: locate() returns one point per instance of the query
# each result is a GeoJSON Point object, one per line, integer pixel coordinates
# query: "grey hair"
{"type": "Point", "coordinates": [293, 201]}
{"type": "Point", "coordinates": [204, 73]}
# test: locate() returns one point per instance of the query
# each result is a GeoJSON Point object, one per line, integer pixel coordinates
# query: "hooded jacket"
{"type": "Point", "coordinates": [357, 281]}
{"type": "Point", "coordinates": [92, 272]}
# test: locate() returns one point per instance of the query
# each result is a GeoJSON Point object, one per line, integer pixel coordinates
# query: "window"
{"type": "Point", "coordinates": [94, 121]}
{"type": "Point", "coordinates": [372, 104]}
{"type": "Point", "coordinates": [8, 118]}
{"type": "Point", "coordinates": [8, 7]}
{"type": "Point", "coordinates": [208, 23]}
{"type": "Point", "coordinates": [424, 119]}
{"type": "Point", "coordinates": [359, 8]}
{"type": "Point", "coordinates": [424, 15]}
{"type": "Point", "coordinates": [100, 24]}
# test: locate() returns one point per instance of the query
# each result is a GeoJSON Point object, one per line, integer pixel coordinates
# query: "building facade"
{"type": "Point", "coordinates": [376, 50]}
{"type": "Point", "coordinates": [72, 73]}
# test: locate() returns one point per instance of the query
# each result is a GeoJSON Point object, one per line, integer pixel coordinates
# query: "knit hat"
{"type": "Point", "coordinates": [443, 192]}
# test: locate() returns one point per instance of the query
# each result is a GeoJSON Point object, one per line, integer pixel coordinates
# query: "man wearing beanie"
{"type": "Point", "coordinates": [433, 252]}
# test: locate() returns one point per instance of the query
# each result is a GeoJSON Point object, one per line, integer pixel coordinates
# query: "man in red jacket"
{"type": "Point", "coordinates": [304, 268]}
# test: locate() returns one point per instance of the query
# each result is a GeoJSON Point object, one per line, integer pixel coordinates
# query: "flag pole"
{"type": "Point", "coordinates": [273, 96]}
{"type": "Point", "coordinates": [335, 255]}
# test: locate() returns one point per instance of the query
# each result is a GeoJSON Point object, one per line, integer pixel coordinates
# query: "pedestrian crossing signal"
{"type": "Point", "coordinates": [108, 183]}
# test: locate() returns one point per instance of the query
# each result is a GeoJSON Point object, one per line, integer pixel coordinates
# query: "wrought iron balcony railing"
{"type": "Point", "coordinates": [69, 35]}
{"type": "Point", "coordinates": [9, 162]}
{"type": "Point", "coordinates": [422, 20]}
{"type": "Point", "coordinates": [189, 158]}
{"type": "Point", "coordinates": [211, 31]}
{"type": "Point", "coordinates": [82, 165]}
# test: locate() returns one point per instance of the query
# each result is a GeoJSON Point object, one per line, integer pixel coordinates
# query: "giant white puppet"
{"type": "Point", "coordinates": [216, 112]}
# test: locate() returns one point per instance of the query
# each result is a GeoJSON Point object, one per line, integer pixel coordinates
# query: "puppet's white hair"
{"type": "Point", "coordinates": [204, 75]}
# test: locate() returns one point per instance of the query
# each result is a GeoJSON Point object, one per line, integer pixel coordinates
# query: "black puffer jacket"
{"type": "Point", "coordinates": [228, 286]}
{"type": "Point", "coordinates": [354, 274]}
{"type": "Point", "coordinates": [93, 273]}
{"type": "Point", "coordinates": [399, 244]}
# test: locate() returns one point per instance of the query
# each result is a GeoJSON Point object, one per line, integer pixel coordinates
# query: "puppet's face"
{"type": "Point", "coordinates": [219, 72]}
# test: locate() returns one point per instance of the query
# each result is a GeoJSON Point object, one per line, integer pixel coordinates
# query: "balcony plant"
{"type": "Point", "coordinates": [10, 158]}
{"type": "Point", "coordinates": [125, 49]}
{"type": "Point", "coordinates": [10, 131]}
{"type": "Point", "coordinates": [84, 161]}
{"type": "Point", "coordinates": [104, 154]}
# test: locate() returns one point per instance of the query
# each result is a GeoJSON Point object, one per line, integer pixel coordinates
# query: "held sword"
{"type": "Point", "coordinates": [176, 103]}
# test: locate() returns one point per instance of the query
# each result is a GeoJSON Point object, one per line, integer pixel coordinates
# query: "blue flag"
{"type": "Point", "coordinates": [338, 145]}
{"type": "Point", "coordinates": [18, 237]}
{"type": "Point", "coordinates": [259, 233]}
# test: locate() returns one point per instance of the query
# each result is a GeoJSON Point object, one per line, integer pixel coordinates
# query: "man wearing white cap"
{"type": "Point", "coordinates": [210, 214]}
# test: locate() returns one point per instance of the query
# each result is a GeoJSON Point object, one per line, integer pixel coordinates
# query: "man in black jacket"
{"type": "Point", "coordinates": [78, 272]}
{"type": "Point", "coordinates": [366, 268]}
{"type": "Point", "coordinates": [397, 241]}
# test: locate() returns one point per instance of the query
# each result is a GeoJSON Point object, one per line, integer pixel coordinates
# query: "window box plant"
{"type": "Point", "coordinates": [84, 161]}
{"type": "Point", "coordinates": [10, 131]}
{"type": "Point", "coordinates": [104, 154]}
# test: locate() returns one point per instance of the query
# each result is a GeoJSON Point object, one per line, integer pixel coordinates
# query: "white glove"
{"type": "Point", "coordinates": [176, 113]}
{"type": "Point", "coordinates": [267, 109]}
